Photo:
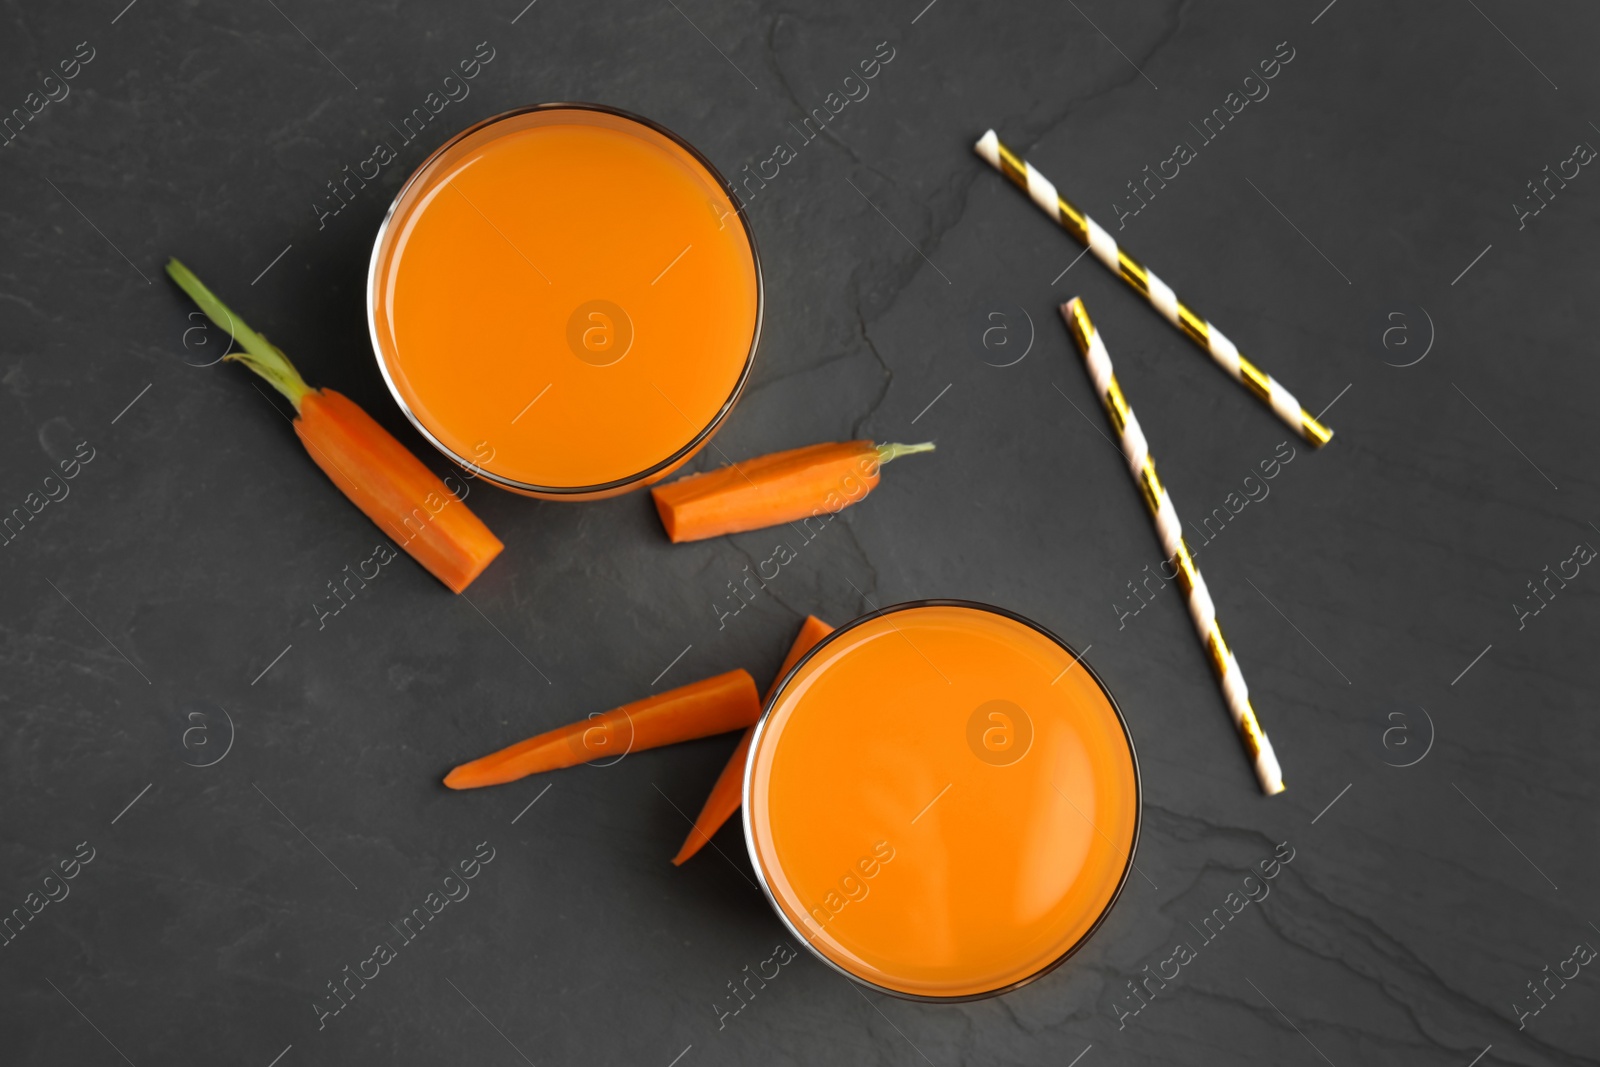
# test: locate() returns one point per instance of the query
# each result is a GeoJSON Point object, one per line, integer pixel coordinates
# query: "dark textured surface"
{"type": "Point", "coordinates": [191, 547]}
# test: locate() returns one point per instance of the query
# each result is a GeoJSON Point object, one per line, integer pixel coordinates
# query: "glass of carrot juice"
{"type": "Point", "coordinates": [566, 300]}
{"type": "Point", "coordinates": [942, 800]}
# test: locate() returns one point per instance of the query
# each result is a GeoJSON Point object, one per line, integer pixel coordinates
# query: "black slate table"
{"type": "Point", "coordinates": [1399, 225]}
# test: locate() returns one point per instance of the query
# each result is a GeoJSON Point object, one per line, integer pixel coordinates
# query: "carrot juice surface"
{"type": "Point", "coordinates": [942, 800]}
{"type": "Point", "coordinates": [566, 299]}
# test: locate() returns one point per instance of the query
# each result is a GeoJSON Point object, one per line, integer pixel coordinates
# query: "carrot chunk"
{"type": "Point", "coordinates": [394, 489]}
{"type": "Point", "coordinates": [727, 794]}
{"type": "Point", "coordinates": [770, 490]}
{"type": "Point", "coordinates": [699, 709]}
{"type": "Point", "coordinates": [379, 474]}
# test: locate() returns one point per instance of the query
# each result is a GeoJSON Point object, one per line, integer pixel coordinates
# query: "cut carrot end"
{"type": "Point", "coordinates": [668, 516]}
{"type": "Point", "coordinates": [395, 489]}
{"type": "Point", "coordinates": [812, 630]}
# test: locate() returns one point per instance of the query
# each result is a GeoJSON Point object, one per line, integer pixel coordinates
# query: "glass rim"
{"type": "Point", "coordinates": [749, 788]}
{"type": "Point", "coordinates": [640, 478]}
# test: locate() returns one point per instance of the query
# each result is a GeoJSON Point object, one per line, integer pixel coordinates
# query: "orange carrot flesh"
{"type": "Point", "coordinates": [727, 794]}
{"type": "Point", "coordinates": [775, 489]}
{"type": "Point", "coordinates": [379, 474]}
{"type": "Point", "coordinates": [720, 805]}
{"type": "Point", "coordinates": [395, 490]}
{"type": "Point", "coordinates": [699, 709]}
{"type": "Point", "coordinates": [811, 631]}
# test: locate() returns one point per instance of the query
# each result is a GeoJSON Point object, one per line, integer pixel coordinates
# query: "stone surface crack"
{"type": "Point", "coordinates": [888, 372]}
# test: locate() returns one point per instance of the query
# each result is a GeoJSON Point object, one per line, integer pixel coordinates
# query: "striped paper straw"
{"type": "Point", "coordinates": [1153, 289]}
{"type": "Point", "coordinates": [1201, 611]}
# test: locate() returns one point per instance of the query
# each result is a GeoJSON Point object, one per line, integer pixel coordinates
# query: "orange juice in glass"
{"type": "Point", "coordinates": [565, 300]}
{"type": "Point", "coordinates": [942, 800]}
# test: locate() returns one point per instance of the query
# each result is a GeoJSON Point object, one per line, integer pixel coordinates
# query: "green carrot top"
{"type": "Point", "coordinates": [889, 452]}
{"type": "Point", "coordinates": [259, 354]}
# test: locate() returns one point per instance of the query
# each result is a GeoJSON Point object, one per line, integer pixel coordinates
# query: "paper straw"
{"type": "Point", "coordinates": [1201, 611]}
{"type": "Point", "coordinates": [1153, 289]}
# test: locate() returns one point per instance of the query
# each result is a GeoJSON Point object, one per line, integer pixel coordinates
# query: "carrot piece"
{"type": "Point", "coordinates": [774, 489]}
{"type": "Point", "coordinates": [379, 474]}
{"type": "Point", "coordinates": [728, 793]}
{"type": "Point", "coordinates": [405, 498]}
{"type": "Point", "coordinates": [699, 709]}
{"type": "Point", "coordinates": [725, 798]}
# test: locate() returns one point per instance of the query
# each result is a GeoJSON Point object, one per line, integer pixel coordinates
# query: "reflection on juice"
{"type": "Point", "coordinates": [941, 801]}
{"type": "Point", "coordinates": [567, 298]}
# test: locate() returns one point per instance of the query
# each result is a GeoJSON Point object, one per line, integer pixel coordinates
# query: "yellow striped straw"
{"type": "Point", "coordinates": [1168, 528]}
{"type": "Point", "coordinates": [1157, 292]}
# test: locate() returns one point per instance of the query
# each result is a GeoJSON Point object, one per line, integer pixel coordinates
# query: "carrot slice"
{"type": "Point", "coordinates": [379, 474]}
{"type": "Point", "coordinates": [770, 490]}
{"type": "Point", "coordinates": [727, 794]}
{"type": "Point", "coordinates": [699, 709]}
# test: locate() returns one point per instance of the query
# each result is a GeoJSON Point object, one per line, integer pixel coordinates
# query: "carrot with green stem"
{"type": "Point", "coordinates": [728, 793]}
{"type": "Point", "coordinates": [699, 709]}
{"type": "Point", "coordinates": [379, 474]}
{"type": "Point", "coordinates": [775, 489]}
